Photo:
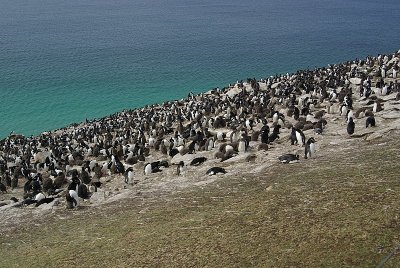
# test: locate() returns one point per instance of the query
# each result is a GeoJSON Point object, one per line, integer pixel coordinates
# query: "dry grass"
{"type": "Point", "coordinates": [333, 211]}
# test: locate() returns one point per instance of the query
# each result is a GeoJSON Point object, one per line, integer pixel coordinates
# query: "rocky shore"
{"type": "Point", "coordinates": [244, 128]}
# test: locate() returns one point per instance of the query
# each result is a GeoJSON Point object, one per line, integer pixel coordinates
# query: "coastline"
{"type": "Point", "coordinates": [220, 119]}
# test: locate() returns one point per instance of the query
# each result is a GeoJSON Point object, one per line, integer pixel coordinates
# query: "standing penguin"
{"type": "Point", "coordinates": [179, 168]}
{"type": "Point", "coordinates": [370, 121]}
{"type": "Point", "coordinates": [264, 134]}
{"type": "Point", "coordinates": [310, 148]}
{"type": "Point", "coordinates": [377, 106]}
{"type": "Point", "coordinates": [148, 169]}
{"type": "Point", "coordinates": [3, 188]}
{"type": "Point", "coordinates": [349, 115]}
{"type": "Point", "coordinates": [300, 137]}
{"type": "Point", "coordinates": [350, 126]}
{"type": "Point", "coordinates": [242, 146]}
{"type": "Point", "coordinates": [72, 199]}
{"type": "Point", "coordinates": [128, 176]}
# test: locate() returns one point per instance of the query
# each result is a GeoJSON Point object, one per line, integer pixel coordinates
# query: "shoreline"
{"type": "Point", "coordinates": [228, 87]}
{"type": "Point", "coordinates": [202, 125]}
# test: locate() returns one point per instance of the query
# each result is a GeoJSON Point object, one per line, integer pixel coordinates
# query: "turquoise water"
{"type": "Point", "coordinates": [65, 61]}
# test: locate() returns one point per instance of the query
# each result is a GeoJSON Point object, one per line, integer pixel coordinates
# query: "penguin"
{"type": "Point", "coordinates": [289, 158]}
{"type": "Point", "coordinates": [39, 197]}
{"type": "Point", "coordinates": [242, 146]}
{"type": "Point", "coordinates": [179, 168]}
{"type": "Point", "coordinates": [45, 200]}
{"type": "Point", "coordinates": [377, 107]}
{"type": "Point", "coordinates": [85, 178]}
{"type": "Point", "coordinates": [147, 169]}
{"type": "Point", "coordinates": [275, 117]}
{"type": "Point", "coordinates": [215, 170]}
{"type": "Point", "coordinates": [349, 115]}
{"type": "Point", "coordinates": [343, 110]}
{"type": "Point", "coordinates": [296, 113]}
{"type": "Point", "coordinates": [172, 152]}
{"type": "Point", "coordinates": [275, 134]}
{"type": "Point", "coordinates": [292, 136]}
{"type": "Point", "coordinates": [310, 148]}
{"type": "Point", "coordinates": [209, 144]}
{"type": "Point", "coordinates": [128, 176]}
{"type": "Point", "coordinates": [350, 126]}
{"type": "Point", "coordinates": [12, 200]}
{"type": "Point", "coordinates": [264, 134]}
{"type": "Point", "coordinates": [83, 191]}
{"type": "Point", "coordinates": [198, 161]}
{"type": "Point", "coordinates": [72, 199]}
{"type": "Point", "coordinates": [74, 184]}
{"type": "Point", "coordinates": [3, 188]}
{"type": "Point", "coordinates": [297, 136]}
{"type": "Point", "coordinates": [370, 121]}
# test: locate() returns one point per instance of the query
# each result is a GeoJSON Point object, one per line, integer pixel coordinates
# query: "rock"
{"type": "Point", "coordinates": [97, 197]}
{"type": "Point", "coordinates": [49, 205]}
{"type": "Point", "coordinates": [355, 81]}
{"type": "Point", "coordinates": [40, 157]}
{"type": "Point", "coordinates": [391, 115]}
{"type": "Point", "coordinates": [274, 85]}
{"type": "Point", "coordinates": [374, 136]}
{"type": "Point", "coordinates": [233, 92]}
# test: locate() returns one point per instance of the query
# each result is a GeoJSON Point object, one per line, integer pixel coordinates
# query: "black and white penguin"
{"type": "Point", "coordinates": [343, 110]}
{"type": "Point", "coordinates": [148, 169]}
{"type": "Point", "coordinates": [215, 170]}
{"type": "Point", "coordinates": [310, 148]}
{"type": "Point", "coordinates": [180, 167]}
{"type": "Point", "coordinates": [349, 115]}
{"type": "Point", "coordinates": [377, 106]}
{"type": "Point", "coordinates": [289, 158]}
{"type": "Point", "coordinates": [172, 152]}
{"type": "Point", "coordinates": [83, 191]}
{"type": "Point", "coordinates": [45, 200]}
{"type": "Point", "coordinates": [74, 184]}
{"type": "Point", "coordinates": [275, 134]}
{"type": "Point", "coordinates": [297, 136]}
{"type": "Point", "coordinates": [350, 126]}
{"type": "Point", "coordinates": [12, 200]}
{"type": "Point", "coordinates": [128, 176]}
{"type": "Point", "coordinates": [3, 188]}
{"type": "Point", "coordinates": [198, 161]}
{"type": "Point", "coordinates": [264, 134]}
{"type": "Point", "coordinates": [370, 122]}
{"type": "Point", "coordinates": [242, 146]}
{"type": "Point", "coordinates": [72, 199]}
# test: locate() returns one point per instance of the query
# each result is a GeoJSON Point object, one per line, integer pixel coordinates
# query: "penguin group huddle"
{"type": "Point", "coordinates": [248, 116]}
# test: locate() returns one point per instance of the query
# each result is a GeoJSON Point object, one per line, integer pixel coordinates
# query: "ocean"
{"type": "Point", "coordinates": [68, 60]}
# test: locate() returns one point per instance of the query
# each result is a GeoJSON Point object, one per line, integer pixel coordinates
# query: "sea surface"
{"type": "Point", "coordinates": [67, 60]}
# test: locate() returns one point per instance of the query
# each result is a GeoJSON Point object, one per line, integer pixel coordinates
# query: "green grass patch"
{"type": "Point", "coordinates": [341, 211]}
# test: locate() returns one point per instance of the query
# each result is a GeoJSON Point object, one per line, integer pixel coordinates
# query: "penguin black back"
{"type": "Point", "coordinates": [370, 122]}
{"type": "Point", "coordinates": [216, 170]}
{"type": "Point", "coordinates": [198, 161]}
{"type": "Point", "coordinates": [350, 126]}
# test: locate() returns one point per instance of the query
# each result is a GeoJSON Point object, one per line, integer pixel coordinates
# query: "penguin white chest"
{"type": "Point", "coordinates": [275, 118]}
{"type": "Point", "coordinates": [298, 137]}
{"type": "Point", "coordinates": [147, 170]}
{"type": "Point", "coordinates": [312, 148]}
{"type": "Point", "coordinates": [242, 147]}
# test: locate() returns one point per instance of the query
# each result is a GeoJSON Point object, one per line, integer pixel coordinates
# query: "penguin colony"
{"type": "Point", "coordinates": [70, 164]}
